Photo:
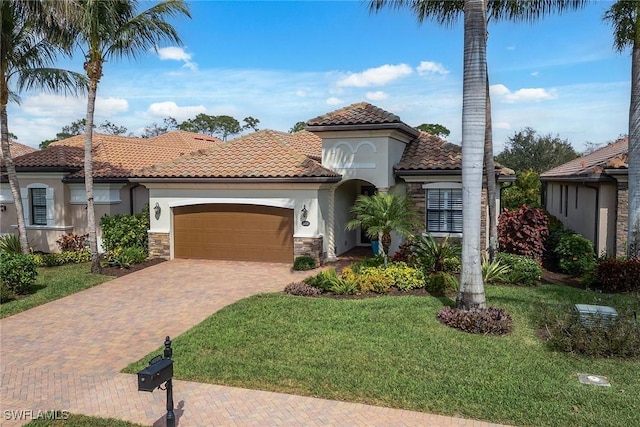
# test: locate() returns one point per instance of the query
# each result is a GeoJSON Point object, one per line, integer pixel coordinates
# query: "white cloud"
{"type": "Point", "coordinates": [501, 125]}
{"type": "Point", "coordinates": [378, 76]}
{"type": "Point", "coordinates": [535, 74]}
{"type": "Point", "coordinates": [334, 101]}
{"type": "Point", "coordinates": [428, 67]}
{"type": "Point", "coordinates": [174, 53]}
{"type": "Point", "coordinates": [161, 110]}
{"type": "Point", "coordinates": [49, 105]}
{"type": "Point", "coordinates": [301, 93]}
{"type": "Point", "coordinates": [511, 47]}
{"type": "Point", "coordinates": [111, 106]}
{"type": "Point", "coordinates": [522, 95]}
{"type": "Point", "coordinates": [377, 96]}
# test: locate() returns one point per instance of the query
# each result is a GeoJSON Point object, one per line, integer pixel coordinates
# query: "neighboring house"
{"type": "Point", "coordinates": [273, 196]}
{"type": "Point", "coordinates": [590, 196]}
{"type": "Point", "coordinates": [269, 195]}
{"type": "Point", "coordinates": [16, 150]}
{"type": "Point", "coordinates": [52, 181]}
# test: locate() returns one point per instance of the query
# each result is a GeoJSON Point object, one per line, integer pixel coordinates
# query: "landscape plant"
{"type": "Point", "coordinates": [431, 254]}
{"type": "Point", "coordinates": [522, 269]}
{"type": "Point", "coordinates": [489, 321]}
{"type": "Point", "coordinates": [495, 271]}
{"type": "Point", "coordinates": [302, 263]}
{"type": "Point", "coordinates": [575, 254]}
{"type": "Point", "coordinates": [523, 232]}
{"type": "Point", "coordinates": [441, 282]}
{"type": "Point", "coordinates": [618, 275]}
{"type": "Point", "coordinates": [10, 243]}
{"type": "Point", "coordinates": [18, 272]}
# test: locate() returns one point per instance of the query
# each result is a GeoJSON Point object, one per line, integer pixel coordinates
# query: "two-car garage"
{"type": "Point", "coordinates": [233, 232]}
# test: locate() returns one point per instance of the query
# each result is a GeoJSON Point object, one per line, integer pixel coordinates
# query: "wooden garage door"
{"type": "Point", "coordinates": [233, 232]}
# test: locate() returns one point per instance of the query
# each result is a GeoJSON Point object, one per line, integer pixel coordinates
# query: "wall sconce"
{"type": "Point", "coordinates": [158, 210]}
{"type": "Point", "coordinates": [3, 208]}
{"type": "Point", "coordinates": [303, 215]}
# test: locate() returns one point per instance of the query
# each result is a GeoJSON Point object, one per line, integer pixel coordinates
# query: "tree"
{"type": "Point", "coordinates": [222, 126]}
{"type": "Point", "coordinates": [434, 129]}
{"type": "Point", "coordinates": [30, 41]}
{"type": "Point", "coordinates": [381, 214]}
{"type": "Point", "coordinates": [78, 128]}
{"type": "Point", "coordinates": [528, 150]}
{"type": "Point", "coordinates": [113, 29]}
{"type": "Point", "coordinates": [169, 124]}
{"type": "Point", "coordinates": [625, 18]}
{"type": "Point", "coordinates": [111, 128]}
{"type": "Point", "coordinates": [250, 123]}
{"type": "Point", "coordinates": [447, 12]}
{"type": "Point", "coordinates": [298, 127]}
{"type": "Point", "coordinates": [525, 191]}
{"type": "Point", "coordinates": [227, 125]}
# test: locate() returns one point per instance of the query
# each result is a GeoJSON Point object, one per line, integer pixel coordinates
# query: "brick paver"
{"type": "Point", "coordinates": [67, 354]}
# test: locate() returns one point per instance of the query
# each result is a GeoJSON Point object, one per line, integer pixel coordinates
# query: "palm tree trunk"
{"type": "Point", "coordinates": [633, 234]}
{"type": "Point", "coordinates": [471, 294]}
{"type": "Point", "coordinates": [490, 167]}
{"type": "Point", "coordinates": [88, 177]}
{"type": "Point", "coordinates": [11, 173]}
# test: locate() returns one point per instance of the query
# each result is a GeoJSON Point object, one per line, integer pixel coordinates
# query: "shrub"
{"type": "Point", "coordinates": [126, 257]}
{"type": "Point", "coordinates": [72, 242]}
{"type": "Point", "coordinates": [124, 231]}
{"type": "Point", "coordinates": [431, 255]}
{"type": "Point", "coordinates": [490, 321]}
{"type": "Point", "coordinates": [302, 263]}
{"type": "Point", "coordinates": [575, 254]}
{"type": "Point", "coordinates": [67, 257]}
{"type": "Point", "coordinates": [523, 270]}
{"type": "Point", "coordinates": [495, 271]}
{"type": "Point", "coordinates": [618, 337]}
{"type": "Point", "coordinates": [551, 258]}
{"type": "Point", "coordinates": [6, 294]}
{"type": "Point", "coordinates": [404, 277]}
{"type": "Point", "coordinates": [441, 282]}
{"type": "Point", "coordinates": [375, 261]}
{"type": "Point", "coordinates": [404, 253]}
{"type": "Point", "coordinates": [17, 272]}
{"type": "Point", "coordinates": [302, 289]}
{"type": "Point", "coordinates": [344, 287]}
{"type": "Point", "coordinates": [10, 243]}
{"type": "Point", "coordinates": [523, 232]}
{"type": "Point", "coordinates": [368, 279]}
{"type": "Point", "coordinates": [324, 280]}
{"type": "Point", "coordinates": [619, 275]}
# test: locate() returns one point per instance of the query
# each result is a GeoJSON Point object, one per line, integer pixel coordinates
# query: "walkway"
{"type": "Point", "coordinates": [67, 354]}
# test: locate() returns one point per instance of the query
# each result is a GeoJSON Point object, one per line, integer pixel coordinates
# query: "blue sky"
{"type": "Point", "coordinates": [283, 62]}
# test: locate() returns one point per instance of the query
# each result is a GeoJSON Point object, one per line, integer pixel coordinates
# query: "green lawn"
{"type": "Point", "coordinates": [392, 351]}
{"type": "Point", "coordinates": [53, 283]}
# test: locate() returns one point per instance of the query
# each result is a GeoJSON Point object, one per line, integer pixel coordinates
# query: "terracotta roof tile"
{"type": "Point", "coordinates": [355, 114]}
{"type": "Point", "coordinates": [429, 152]}
{"type": "Point", "coordinates": [614, 156]}
{"type": "Point", "coordinates": [262, 154]}
{"type": "Point", "coordinates": [17, 150]}
{"type": "Point", "coordinates": [304, 142]}
{"type": "Point", "coordinates": [116, 156]}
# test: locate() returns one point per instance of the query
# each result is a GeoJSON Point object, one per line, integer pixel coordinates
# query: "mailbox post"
{"type": "Point", "coordinates": [159, 371]}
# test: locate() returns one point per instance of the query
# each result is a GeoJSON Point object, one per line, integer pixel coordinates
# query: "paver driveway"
{"type": "Point", "coordinates": [67, 354]}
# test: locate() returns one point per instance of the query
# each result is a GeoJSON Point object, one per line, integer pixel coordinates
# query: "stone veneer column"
{"type": "Point", "coordinates": [308, 246]}
{"type": "Point", "coordinates": [622, 219]}
{"type": "Point", "coordinates": [331, 223]}
{"type": "Point", "coordinates": [159, 246]}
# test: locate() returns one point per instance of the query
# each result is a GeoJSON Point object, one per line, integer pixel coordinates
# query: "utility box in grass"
{"type": "Point", "coordinates": [592, 314]}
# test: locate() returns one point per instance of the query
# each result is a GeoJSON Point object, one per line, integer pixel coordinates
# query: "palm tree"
{"type": "Point", "coordinates": [109, 29]}
{"type": "Point", "coordinates": [447, 12]}
{"type": "Point", "coordinates": [381, 214]}
{"type": "Point", "coordinates": [29, 44]}
{"type": "Point", "coordinates": [624, 16]}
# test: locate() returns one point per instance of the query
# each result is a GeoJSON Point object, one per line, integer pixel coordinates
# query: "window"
{"type": "Point", "coordinates": [444, 210]}
{"type": "Point", "coordinates": [38, 199]}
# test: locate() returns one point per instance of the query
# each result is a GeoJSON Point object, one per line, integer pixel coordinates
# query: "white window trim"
{"type": "Point", "coordinates": [26, 206]}
{"type": "Point", "coordinates": [439, 186]}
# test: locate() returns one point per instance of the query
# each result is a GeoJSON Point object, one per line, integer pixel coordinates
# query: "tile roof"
{"type": "Point", "coordinates": [355, 114]}
{"type": "Point", "coordinates": [115, 156]}
{"type": "Point", "coordinates": [262, 154]}
{"type": "Point", "coordinates": [16, 150]}
{"type": "Point", "coordinates": [613, 156]}
{"type": "Point", "coordinates": [304, 142]}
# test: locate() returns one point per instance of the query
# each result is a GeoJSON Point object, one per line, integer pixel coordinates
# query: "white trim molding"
{"type": "Point", "coordinates": [276, 203]}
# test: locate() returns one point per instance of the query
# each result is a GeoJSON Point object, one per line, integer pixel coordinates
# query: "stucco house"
{"type": "Point", "coordinates": [590, 196]}
{"type": "Point", "coordinates": [271, 196]}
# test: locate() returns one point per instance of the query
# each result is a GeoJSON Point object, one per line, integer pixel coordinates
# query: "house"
{"type": "Point", "coordinates": [271, 196]}
{"type": "Point", "coordinates": [590, 196]}
{"type": "Point", "coordinates": [52, 181]}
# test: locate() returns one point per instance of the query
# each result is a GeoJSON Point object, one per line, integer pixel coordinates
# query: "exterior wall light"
{"type": "Point", "coordinates": [303, 216]}
{"type": "Point", "coordinates": [3, 208]}
{"type": "Point", "coordinates": [158, 210]}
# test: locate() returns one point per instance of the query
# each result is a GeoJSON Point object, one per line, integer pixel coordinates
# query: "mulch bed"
{"type": "Point", "coordinates": [556, 278]}
{"type": "Point", "coordinates": [119, 272]}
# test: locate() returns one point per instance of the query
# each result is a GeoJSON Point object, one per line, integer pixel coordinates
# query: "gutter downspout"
{"type": "Point", "coordinates": [504, 187]}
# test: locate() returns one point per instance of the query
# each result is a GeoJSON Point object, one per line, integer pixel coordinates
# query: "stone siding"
{"type": "Point", "coordinates": [622, 219]}
{"type": "Point", "coordinates": [159, 246]}
{"type": "Point", "coordinates": [308, 246]}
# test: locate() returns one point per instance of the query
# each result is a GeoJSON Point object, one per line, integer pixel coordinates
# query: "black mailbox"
{"type": "Point", "coordinates": [155, 374]}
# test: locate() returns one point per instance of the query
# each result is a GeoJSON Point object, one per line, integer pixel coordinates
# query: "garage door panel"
{"type": "Point", "coordinates": [241, 232]}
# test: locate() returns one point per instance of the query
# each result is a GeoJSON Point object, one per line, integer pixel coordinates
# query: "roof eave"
{"type": "Point", "coordinates": [403, 127]}
{"type": "Point", "coordinates": [299, 179]}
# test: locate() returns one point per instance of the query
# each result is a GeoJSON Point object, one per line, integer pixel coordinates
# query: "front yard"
{"type": "Point", "coordinates": [392, 351]}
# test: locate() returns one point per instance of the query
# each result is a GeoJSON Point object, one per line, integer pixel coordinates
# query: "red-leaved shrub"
{"type": "Point", "coordinates": [523, 232]}
{"type": "Point", "coordinates": [490, 321]}
{"type": "Point", "coordinates": [619, 275]}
